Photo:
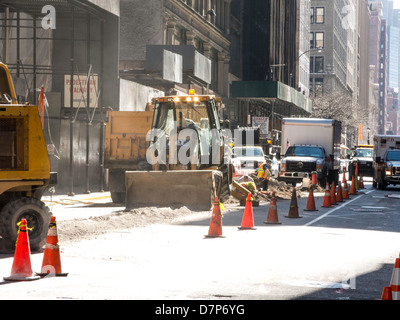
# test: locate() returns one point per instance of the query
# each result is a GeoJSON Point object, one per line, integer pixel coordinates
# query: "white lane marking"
{"type": "Point", "coordinates": [337, 208]}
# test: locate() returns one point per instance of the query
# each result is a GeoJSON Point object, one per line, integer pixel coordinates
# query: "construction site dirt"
{"type": "Point", "coordinates": [78, 229]}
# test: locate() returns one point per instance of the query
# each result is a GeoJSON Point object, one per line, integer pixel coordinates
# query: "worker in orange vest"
{"type": "Point", "coordinates": [264, 174]}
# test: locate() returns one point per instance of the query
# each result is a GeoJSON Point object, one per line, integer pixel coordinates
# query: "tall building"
{"type": "Point", "coordinates": [303, 81]}
{"type": "Point", "coordinates": [195, 31]}
{"type": "Point", "coordinates": [393, 31]}
{"type": "Point", "coordinates": [378, 62]}
{"type": "Point", "coordinates": [392, 125]}
{"type": "Point", "coordinates": [333, 48]}
{"type": "Point", "coordinates": [383, 70]}
{"type": "Point", "coordinates": [379, 58]}
{"type": "Point", "coordinates": [363, 70]}
{"type": "Point", "coordinates": [276, 42]}
{"type": "Point", "coordinates": [393, 56]}
{"type": "Point", "coordinates": [275, 62]}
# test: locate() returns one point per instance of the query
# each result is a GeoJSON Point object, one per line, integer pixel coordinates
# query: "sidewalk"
{"type": "Point", "coordinates": [81, 206]}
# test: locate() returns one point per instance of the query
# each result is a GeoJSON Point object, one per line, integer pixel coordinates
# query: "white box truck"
{"type": "Point", "coordinates": [310, 145]}
{"type": "Point", "coordinates": [386, 161]}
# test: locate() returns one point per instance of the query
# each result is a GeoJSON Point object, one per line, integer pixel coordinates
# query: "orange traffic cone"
{"type": "Point", "coordinates": [21, 268]}
{"type": "Point", "coordinates": [248, 220]}
{"type": "Point", "coordinates": [395, 281]}
{"type": "Point", "coordinates": [353, 190]}
{"type": "Point", "coordinates": [333, 195]}
{"type": "Point", "coordinates": [344, 176]}
{"type": "Point", "coordinates": [51, 260]}
{"type": "Point", "coordinates": [387, 293]}
{"type": "Point", "coordinates": [294, 209]}
{"type": "Point", "coordinates": [327, 198]}
{"type": "Point", "coordinates": [215, 230]}
{"type": "Point", "coordinates": [339, 195]}
{"type": "Point", "coordinates": [311, 201]}
{"type": "Point", "coordinates": [272, 213]}
{"type": "Point", "coordinates": [345, 191]}
{"type": "Point", "coordinates": [361, 182]}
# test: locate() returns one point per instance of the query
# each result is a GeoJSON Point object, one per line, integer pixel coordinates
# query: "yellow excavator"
{"type": "Point", "coordinates": [24, 169]}
{"type": "Point", "coordinates": [174, 153]}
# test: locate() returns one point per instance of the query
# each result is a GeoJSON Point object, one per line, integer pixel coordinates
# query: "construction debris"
{"type": "Point", "coordinates": [282, 190]}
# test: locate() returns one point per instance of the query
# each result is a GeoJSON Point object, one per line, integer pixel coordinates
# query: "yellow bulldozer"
{"type": "Point", "coordinates": [24, 169]}
{"type": "Point", "coordinates": [175, 152]}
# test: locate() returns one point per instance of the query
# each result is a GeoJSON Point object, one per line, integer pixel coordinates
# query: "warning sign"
{"type": "Point", "coordinates": [80, 88]}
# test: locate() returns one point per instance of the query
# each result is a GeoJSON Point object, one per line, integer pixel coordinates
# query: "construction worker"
{"type": "Point", "coordinates": [264, 174]}
{"type": "Point", "coordinates": [248, 183]}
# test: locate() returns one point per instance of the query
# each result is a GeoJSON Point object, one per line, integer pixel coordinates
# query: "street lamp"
{"type": "Point", "coordinates": [319, 50]}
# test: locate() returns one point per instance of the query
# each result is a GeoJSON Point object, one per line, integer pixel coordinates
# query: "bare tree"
{"type": "Point", "coordinates": [341, 106]}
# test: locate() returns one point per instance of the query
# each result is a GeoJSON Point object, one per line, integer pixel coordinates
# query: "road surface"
{"type": "Point", "coordinates": [342, 253]}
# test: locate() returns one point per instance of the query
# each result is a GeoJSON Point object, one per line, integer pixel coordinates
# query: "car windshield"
{"type": "Point", "coordinates": [304, 151]}
{"type": "Point", "coordinates": [393, 156]}
{"type": "Point", "coordinates": [366, 153]}
{"type": "Point", "coordinates": [247, 152]}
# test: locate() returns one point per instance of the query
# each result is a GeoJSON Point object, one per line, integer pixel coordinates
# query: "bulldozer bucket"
{"type": "Point", "coordinates": [195, 189]}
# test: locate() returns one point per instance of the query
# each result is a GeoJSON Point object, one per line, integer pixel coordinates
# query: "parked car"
{"type": "Point", "coordinates": [246, 160]}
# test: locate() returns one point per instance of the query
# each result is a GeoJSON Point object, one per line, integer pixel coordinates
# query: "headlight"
{"type": "Point", "coordinates": [319, 165]}
{"type": "Point", "coordinates": [388, 168]}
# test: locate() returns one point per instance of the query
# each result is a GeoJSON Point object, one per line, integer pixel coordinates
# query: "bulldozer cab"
{"type": "Point", "coordinates": [187, 130]}
{"type": "Point", "coordinates": [187, 151]}
{"type": "Point", "coordinates": [7, 92]}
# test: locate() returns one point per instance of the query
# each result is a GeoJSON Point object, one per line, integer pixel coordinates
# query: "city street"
{"type": "Point", "coordinates": [346, 252]}
{"type": "Point", "coordinates": [119, 117]}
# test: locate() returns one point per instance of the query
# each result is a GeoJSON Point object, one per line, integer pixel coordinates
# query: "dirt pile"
{"type": "Point", "coordinates": [80, 229]}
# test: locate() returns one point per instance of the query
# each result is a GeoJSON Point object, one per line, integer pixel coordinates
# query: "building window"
{"type": "Point", "coordinates": [180, 36]}
{"type": "Point", "coordinates": [319, 85]}
{"type": "Point", "coordinates": [312, 19]}
{"type": "Point", "coordinates": [312, 41]}
{"type": "Point", "coordinates": [319, 64]}
{"type": "Point", "coordinates": [319, 15]}
{"type": "Point", "coordinates": [319, 40]}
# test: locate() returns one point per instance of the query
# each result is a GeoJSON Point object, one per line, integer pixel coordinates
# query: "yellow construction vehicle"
{"type": "Point", "coordinates": [174, 153]}
{"type": "Point", "coordinates": [24, 168]}
{"type": "Point", "coordinates": [125, 147]}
